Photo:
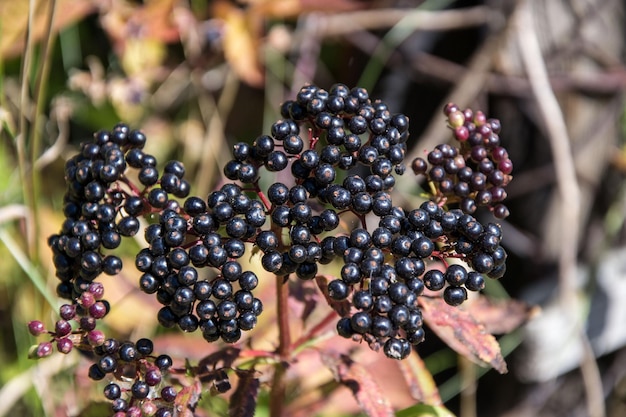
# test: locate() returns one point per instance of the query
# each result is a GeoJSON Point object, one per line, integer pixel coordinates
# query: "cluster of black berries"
{"type": "Point", "coordinates": [103, 202]}
{"type": "Point", "coordinates": [101, 205]}
{"type": "Point", "coordinates": [386, 301]}
{"type": "Point", "coordinates": [386, 270]}
{"type": "Point", "coordinates": [341, 175]}
{"type": "Point", "coordinates": [138, 388]}
{"type": "Point", "coordinates": [192, 265]}
{"type": "Point", "coordinates": [475, 174]}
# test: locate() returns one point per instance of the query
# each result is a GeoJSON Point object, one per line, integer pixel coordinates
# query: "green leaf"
{"type": "Point", "coordinates": [423, 410]}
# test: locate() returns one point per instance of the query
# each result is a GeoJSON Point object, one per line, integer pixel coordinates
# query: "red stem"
{"type": "Point", "coordinates": [278, 389]}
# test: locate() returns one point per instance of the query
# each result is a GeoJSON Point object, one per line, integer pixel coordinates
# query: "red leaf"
{"type": "Point", "coordinates": [243, 401]}
{"type": "Point", "coordinates": [459, 330]}
{"type": "Point", "coordinates": [502, 316]}
{"type": "Point", "coordinates": [419, 380]}
{"type": "Point", "coordinates": [363, 386]}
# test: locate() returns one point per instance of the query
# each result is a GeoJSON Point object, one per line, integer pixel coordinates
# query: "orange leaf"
{"type": "Point", "coordinates": [363, 386]}
{"type": "Point", "coordinates": [459, 330]}
{"type": "Point", "coordinates": [15, 21]}
{"type": "Point", "coordinates": [188, 397]}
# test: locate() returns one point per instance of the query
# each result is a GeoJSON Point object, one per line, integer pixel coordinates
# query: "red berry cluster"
{"type": "Point", "coordinates": [76, 325]}
{"type": "Point", "coordinates": [475, 173]}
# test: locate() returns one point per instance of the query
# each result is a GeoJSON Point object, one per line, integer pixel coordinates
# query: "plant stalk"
{"type": "Point", "coordinates": [279, 385]}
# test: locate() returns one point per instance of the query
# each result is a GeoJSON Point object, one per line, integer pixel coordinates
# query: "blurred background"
{"type": "Point", "coordinates": [198, 75]}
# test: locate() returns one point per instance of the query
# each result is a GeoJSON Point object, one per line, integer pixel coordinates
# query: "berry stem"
{"type": "Point", "coordinates": [262, 196]}
{"type": "Point", "coordinates": [277, 394]}
{"type": "Point", "coordinates": [282, 294]}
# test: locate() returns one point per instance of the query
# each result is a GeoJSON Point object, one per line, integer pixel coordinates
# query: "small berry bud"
{"type": "Point", "coordinates": [97, 289]}
{"type": "Point", "coordinates": [456, 119]}
{"type": "Point", "coordinates": [65, 345]}
{"type": "Point", "coordinates": [87, 299]}
{"type": "Point", "coordinates": [44, 349]}
{"type": "Point", "coordinates": [62, 328]}
{"type": "Point", "coordinates": [36, 327]}
{"type": "Point", "coordinates": [95, 338]}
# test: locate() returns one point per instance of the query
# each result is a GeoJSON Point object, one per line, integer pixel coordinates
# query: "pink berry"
{"type": "Point", "coordinates": [44, 349]}
{"type": "Point", "coordinates": [450, 108]}
{"type": "Point", "coordinates": [505, 166]}
{"type": "Point", "coordinates": [97, 289]}
{"type": "Point", "coordinates": [36, 327]}
{"type": "Point", "coordinates": [479, 118]}
{"type": "Point", "coordinates": [461, 133]}
{"type": "Point", "coordinates": [87, 299]}
{"type": "Point", "coordinates": [65, 345]}
{"type": "Point", "coordinates": [95, 338]}
{"type": "Point", "coordinates": [149, 408]}
{"type": "Point", "coordinates": [98, 310]}
{"type": "Point", "coordinates": [67, 311]}
{"type": "Point", "coordinates": [62, 328]}
{"type": "Point", "coordinates": [499, 154]}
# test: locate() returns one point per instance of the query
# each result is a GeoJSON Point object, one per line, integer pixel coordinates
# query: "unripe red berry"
{"type": "Point", "coordinates": [65, 345]}
{"type": "Point", "coordinates": [87, 299]}
{"type": "Point", "coordinates": [62, 328]}
{"type": "Point", "coordinates": [97, 289]}
{"type": "Point", "coordinates": [95, 338]}
{"type": "Point", "coordinates": [461, 133]}
{"type": "Point", "coordinates": [36, 327]}
{"type": "Point", "coordinates": [44, 349]}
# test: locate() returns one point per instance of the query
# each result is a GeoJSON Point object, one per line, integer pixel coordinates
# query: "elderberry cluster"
{"type": "Point", "coordinates": [102, 205]}
{"type": "Point", "coordinates": [344, 171]}
{"type": "Point", "coordinates": [76, 326]}
{"type": "Point", "coordinates": [137, 374]}
{"type": "Point", "coordinates": [475, 174]}
{"type": "Point", "coordinates": [192, 264]}
{"type": "Point", "coordinates": [138, 388]}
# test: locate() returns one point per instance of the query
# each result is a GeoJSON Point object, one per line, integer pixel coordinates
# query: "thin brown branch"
{"type": "Point", "coordinates": [569, 192]}
{"type": "Point", "coordinates": [592, 83]}
{"type": "Point", "coordinates": [376, 19]}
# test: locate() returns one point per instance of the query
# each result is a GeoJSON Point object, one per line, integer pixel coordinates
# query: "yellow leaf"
{"type": "Point", "coordinates": [142, 55]}
{"type": "Point", "coordinates": [241, 42]}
